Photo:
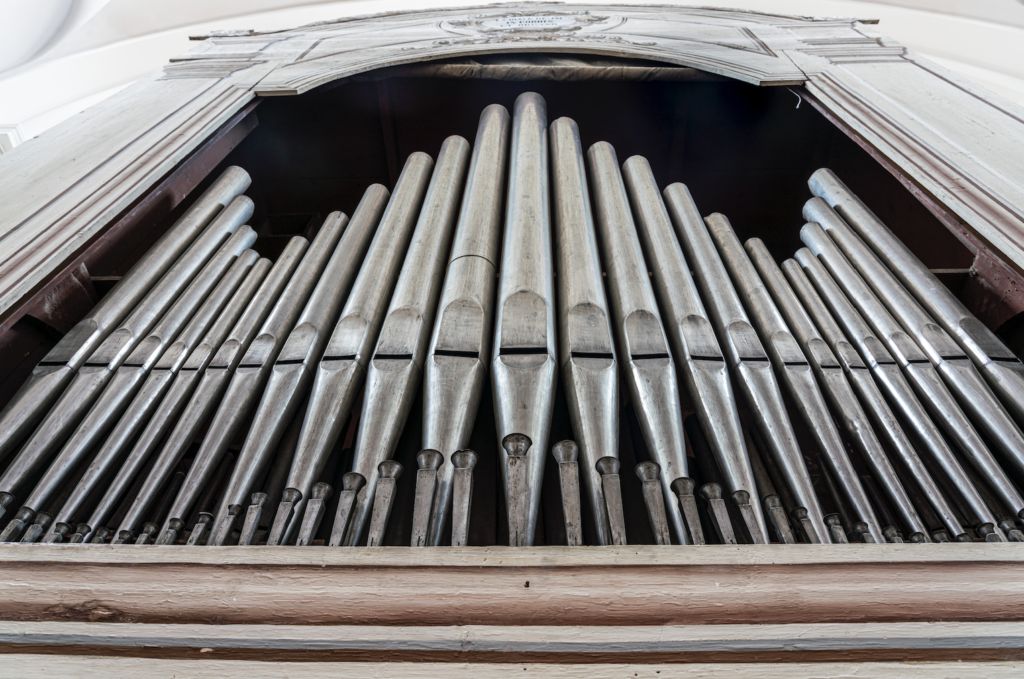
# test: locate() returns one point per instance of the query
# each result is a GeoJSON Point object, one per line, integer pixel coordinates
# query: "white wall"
{"type": "Point", "coordinates": [62, 56]}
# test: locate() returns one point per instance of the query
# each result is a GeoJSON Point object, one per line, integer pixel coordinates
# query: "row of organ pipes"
{"type": "Point", "coordinates": [523, 256]}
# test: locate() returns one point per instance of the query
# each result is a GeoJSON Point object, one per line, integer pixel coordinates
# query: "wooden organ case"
{"type": "Point", "coordinates": [741, 107]}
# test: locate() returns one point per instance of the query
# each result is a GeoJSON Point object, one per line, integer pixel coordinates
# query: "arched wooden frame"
{"type": "Point", "coordinates": [957, 147]}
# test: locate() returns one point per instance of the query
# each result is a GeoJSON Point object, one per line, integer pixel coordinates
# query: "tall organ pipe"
{"type": "Point", "coordinates": [693, 340]}
{"type": "Point", "coordinates": [837, 389]}
{"type": "Point", "coordinates": [649, 369]}
{"type": "Point", "coordinates": [396, 367]}
{"type": "Point", "coordinates": [950, 361]}
{"type": "Point", "coordinates": [859, 374]}
{"type": "Point", "coordinates": [525, 366]}
{"type": "Point", "coordinates": [220, 311]}
{"type": "Point", "coordinates": [94, 375]}
{"type": "Point", "coordinates": [130, 376]}
{"type": "Point", "coordinates": [251, 374]}
{"type": "Point", "coordinates": [794, 372]}
{"type": "Point", "coordinates": [589, 366]}
{"type": "Point", "coordinates": [456, 366]}
{"type": "Point", "coordinates": [898, 360]}
{"type": "Point", "coordinates": [53, 374]}
{"type": "Point", "coordinates": [198, 389]}
{"type": "Point", "coordinates": [292, 374]}
{"type": "Point", "coordinates": [1001, 368]}
{"type": "Point", "coordinates": [745, 354]}
{"type": "Point", "coordinates": [342, 369]}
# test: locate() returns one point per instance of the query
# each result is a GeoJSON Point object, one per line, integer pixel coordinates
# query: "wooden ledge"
{"type": "Point", "coordinates": [919, 642]}
{"type": "Point", "coordinates": [132, 668]}
{"type": "Point", "coordinates": [516, 557]}
{"type": "Point", "coordinates": [643, 585]}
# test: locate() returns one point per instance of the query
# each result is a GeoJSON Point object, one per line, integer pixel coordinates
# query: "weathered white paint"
{"type": "Point", "coordinates": [114, 668]}
{"type": "Point", "coordinates": [566, 640]}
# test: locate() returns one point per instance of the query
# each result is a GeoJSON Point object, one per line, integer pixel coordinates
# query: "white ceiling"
{"type": "Point", "coordinates": [58, 57]}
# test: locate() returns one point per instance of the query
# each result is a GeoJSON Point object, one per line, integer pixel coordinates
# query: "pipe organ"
{"type": "Point", "coordinates": [455, 339]}
{"type": "Point", "coordinates": [225, 347]}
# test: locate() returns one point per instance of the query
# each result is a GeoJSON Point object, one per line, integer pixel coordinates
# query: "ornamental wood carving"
{"type": "Point", "coordinates": [956, 145]}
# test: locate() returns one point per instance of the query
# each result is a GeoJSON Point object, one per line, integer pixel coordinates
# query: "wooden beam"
{"type": "Point", "coordinates": [23, 665]}
{"type": "Point", "coordinates": [644, 585]}
{"type": "Point", "coordinates": [920, 642]}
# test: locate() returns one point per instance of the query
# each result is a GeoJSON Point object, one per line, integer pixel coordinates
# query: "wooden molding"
{"type": "Point", "coordinates": [643, 585]}
{"type": "Point", "coordinates": [131, 668]}
{"type": "Point", "coordinates": [63, 188]}
{"type": "Point", "coordinates": [594, 645]}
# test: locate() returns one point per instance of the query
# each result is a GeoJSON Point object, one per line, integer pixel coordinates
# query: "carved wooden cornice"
{"type": "Point", "coordinates": [956, 145]}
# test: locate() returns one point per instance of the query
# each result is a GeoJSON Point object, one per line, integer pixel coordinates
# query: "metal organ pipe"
{"type": "Point", "coordinates": [455, 369]}
{"type": "Point", "coordinates": [342, 369]}
{"type": "Point", "coordinates": [793, 369]}
{"type": "Point", "coordinates": [251, 376]}
{"type": "Point", "coordinates": [292, 371]}
{"type": "Point", "coordinates": [53, 374]}
{"type": "Point", "coordinates": [157, 383]}
{"type": "Point", "coordinates": [867, 389]}
{"type": "Point", "coordinates": [948, 359]}
{"type": "Point", "coordinates": [203, 380]}
{"type": "Point", "coordinates": [524, 370]}
{"type": "Point", "coordinates": [649, 368]}
{"type": "Point", "coordinates": [129, 378]}
{"type": "Point", "coordinates": [746, 355]}
{"type": "Point", "coordinates": [393, 378]}
{"type": "Point", "coordinates": [587, 352]}
{"type": "Point", "coordinates": [203, 338]}
{"type": "Point", "coordinates": [899, 362]}
{"type": "Point", "coordinates": [694, 344]}
{"type": "Point", "coordinates": [837, 388]}
{"type": "Point", "coordinates": [1003, 371]}
{"type": "Point", "coordinates": [97, 370]}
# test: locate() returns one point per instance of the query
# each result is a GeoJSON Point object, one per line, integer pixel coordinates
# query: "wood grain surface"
{"type": "Point", "coordinates": [645, 585]}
